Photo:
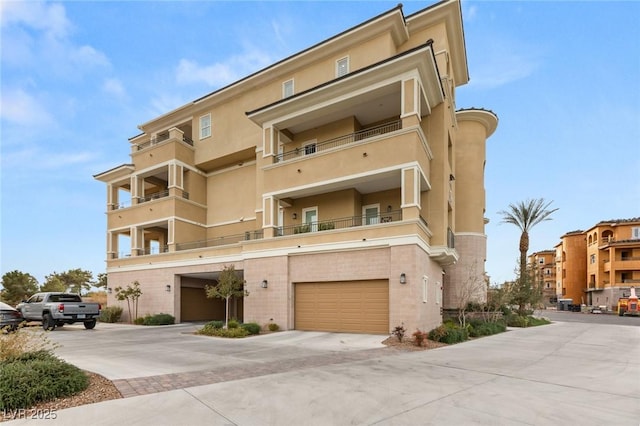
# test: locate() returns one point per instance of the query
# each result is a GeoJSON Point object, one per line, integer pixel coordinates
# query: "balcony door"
{"type": "Point", "coordinates": [371, 214]}
{"type": "Point", "coordinates": [310, 218]}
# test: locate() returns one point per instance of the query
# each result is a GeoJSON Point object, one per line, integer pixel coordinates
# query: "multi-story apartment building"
{"type": "Point", "coordinates": [341, 183]}
{"type": "Point", "coordinates": [613, 253]}
{"type": "Point", "coordinates": [571, 266]}
{"type": "Point", "coordinates": [543, 269]}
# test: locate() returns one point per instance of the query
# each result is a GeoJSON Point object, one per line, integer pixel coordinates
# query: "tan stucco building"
{"type": "Point", "coordinates": [571, 266]}
{"type": "Point", "coordinates": [341, 182]}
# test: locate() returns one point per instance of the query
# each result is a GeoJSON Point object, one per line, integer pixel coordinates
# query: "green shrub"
{"type": "Point", "coordinates": [448, 333]}
{"type": "Point", "coordinates": [139, 321]}
{"type": "Point", "coordinates": [233, 323]}
{"type": "Point", "coordinates": [223, 332]}
{"type": "Point", "coordinates": [273, 326]}
{"type": "Point", "coordinates": [215, 324]}
{"type": "Point", "coordinates": [111, 314]}
{"type": "Point", "coordinates": [159, 319]}
{"type": "Point", "coordinates": [36, 377]}
{"type": "Point", "coordinates": [533, 321]}
{"type": "Point", "coordinates": [251, 327]}
{"type": "Point", "coordinates": [326, 226]}
{"type": "Point", "coordinates": [479, 329]}
{"type": "Point", "coordinates": [515, 320]}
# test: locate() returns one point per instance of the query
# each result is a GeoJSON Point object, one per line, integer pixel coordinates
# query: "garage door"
{"type": "Point", "coordinates": [351, 306]}
{"type": "Point", "coordinates": [195, 306]}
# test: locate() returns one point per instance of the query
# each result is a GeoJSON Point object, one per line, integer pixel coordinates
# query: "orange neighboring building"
{"type": "Point", "coordinates": [613, 261]}
{"type": "Point", "coordinates": [571, 266]}
{"type": "Point", "coordinates": [543, 267]}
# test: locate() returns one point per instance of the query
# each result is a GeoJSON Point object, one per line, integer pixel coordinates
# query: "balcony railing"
{"type": "Point", "coordinates": [222, 240]}
{"type": "Point", "coordinates": [339, 141]}
{"type": "Point", "coordinates": [340, 223]}
{"type": "Point", "coordinates": [451, 239]}
{"type": "Point", "coordinates": [155, 196]}
{"type": "Point", "coordinates": [159, 138]}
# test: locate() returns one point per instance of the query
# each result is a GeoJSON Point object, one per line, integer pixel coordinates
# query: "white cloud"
{"type": "Point", "coordinates": [20, 107]}
{"type": "Point", "coordinates": [38, 15]}
{"type": "Point", "coordinates": [501, 62]}
{"type": "Point", "coordinates": [114, 87]}
{"type": "Point", "coordinates": [222, 73]}
{"type": "Point", "coordinates": [37, 37]}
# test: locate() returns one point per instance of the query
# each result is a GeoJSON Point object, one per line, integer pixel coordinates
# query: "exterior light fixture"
{"type": "Point", "coordinates": [109, 290]}
{"type": "Point", "coordinates": [294, 216]}
{"type": "Point", "coordinates": [389, 208]}
{"type": "Point", "coordinates": [264, 284]}
{"type": "Point", "coordinates": [168, 288]}
{"type": "Point", "coordinates": [403, 278]}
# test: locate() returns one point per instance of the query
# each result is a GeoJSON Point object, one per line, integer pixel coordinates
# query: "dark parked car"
{"type": "Point", "coordinates": [10, 318]}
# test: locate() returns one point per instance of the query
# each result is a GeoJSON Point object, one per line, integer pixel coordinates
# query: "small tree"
{"type": "Point", "coordinates": [229, 285]}
{"type": "Point", "coordinates": [131, 294]}
{"type": "Point", "coordinates": [53, 282]}
{"type": "Point", "coordinates": [525, 292]}
{"type": "Point", "coordinates": [17, 286]}
{"type": "Point", "coordinates": [101, 281]}
{"type": "Point", "coordinates": [473, 289]}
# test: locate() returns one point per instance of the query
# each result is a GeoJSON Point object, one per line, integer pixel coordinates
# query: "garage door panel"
{"type": "Point", "coordinates": [354, 306]}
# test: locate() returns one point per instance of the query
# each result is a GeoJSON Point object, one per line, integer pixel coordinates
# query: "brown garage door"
{"type": "Point", "coordinates": [195, 306]}
{"type": "Point", "coordinates": [350, 306]}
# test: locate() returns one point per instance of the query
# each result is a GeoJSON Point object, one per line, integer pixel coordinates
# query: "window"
{"type": "Point", "coordinates": [310, 148]}
{"type": "Point", "coordinates": [438, 293]}
{"type": "Point", "coordinates": [342, 66]}
{"type": "Point", "coordinates": [287, 88]}
{"type": "Point", "coordinates": [592, 259]}
{"type": "Point", "coordinates": [547, 271]}
{"type": "Point", "coordinates": [205, 126]}
{"type": "Point", "coordinates": [425, 288]}
{"type": "Point", "coordinates": [541, 260]}
{"type": "Point", "coordinates": [635, 233]}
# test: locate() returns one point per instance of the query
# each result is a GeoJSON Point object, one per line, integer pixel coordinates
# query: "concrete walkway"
{"type": "Point", "coordinates": [564, 373]}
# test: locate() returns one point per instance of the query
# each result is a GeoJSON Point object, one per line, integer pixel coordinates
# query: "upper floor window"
{"type": "Point", "coordinates": [310, 148]}
{"type": "Point", "coordinates": [205, 126]}
{"type": "Point", "coordinates": [541, 260]}
{"type": "Point", "coordinates": [592, 258]}
{"type": "Point", "coordinates": [342, 66]}
{"type": "Point", "coordinates": [635, 233]}
{"type": "Point", "coordinates": [287, 88]}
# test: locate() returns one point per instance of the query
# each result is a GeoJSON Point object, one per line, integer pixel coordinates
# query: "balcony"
{"type": "Point", "coordinates": [160, 138]}
{"type": "Point", "coordinates": [155, 207]}
{"type": "Point", "coordinates": [162, 147]}
{"type": "Point", "coordinates": [359, 136]}
{"type": "Point", "coordinates": [222, 240]}
{"type": "Point", "coordinates": [340, 223]}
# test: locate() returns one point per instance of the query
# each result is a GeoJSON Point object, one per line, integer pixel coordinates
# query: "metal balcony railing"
{"type": "Point", "coordinates": [339, 141]}
{"type": "Point", "coordinates": [159, 138]}
{"type": "Point", "coordinates": [341, 223]}
{"type": "Point", "coordinates": [222, 240]}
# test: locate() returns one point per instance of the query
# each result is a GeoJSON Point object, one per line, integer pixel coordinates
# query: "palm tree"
{"type": "Point", "coordinates": [525, 215]}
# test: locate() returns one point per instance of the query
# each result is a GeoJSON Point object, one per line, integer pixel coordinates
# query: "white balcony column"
{"type": "Point", "coordinates": [175, 133]}
{"type": "Point", "coordinates": [171, 232]}
{"type": "Point", "coordinates": [175, 179]}
{"type": "Point", "coordinates": [410, 103]}
{"type": "Point", "coordinates": [269, 138]}
{"type": "Point", "coordinates": [112, 245]}
{"type": "Point", "coordinates": [112, 197]}
{"type": "Point", "coordinates": [137, 189]}
{"type": "Point", "coordinates": [137, 240]}
{"type": "Point", "coordinates": [410, 193]}
{"type": "Point", "coordinates": [270, 207]}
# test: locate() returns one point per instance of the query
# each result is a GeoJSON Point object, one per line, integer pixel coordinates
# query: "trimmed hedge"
{"type": "Point", "coordinates": [449, 333]}
{"type": "Point", "coordinates": [159, 319]}
{"type": "Point", "coordinates": [251, 327]}
{"type": "Point", "coordinates": [35, 377]}
{"type": "Point", "coordinates": [111, 314]}
{"type": "Point", "coordinates": [478, 329]}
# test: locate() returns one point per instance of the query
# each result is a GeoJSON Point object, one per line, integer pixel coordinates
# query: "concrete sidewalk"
{"type": "Point", "coordinates": [564, 373]}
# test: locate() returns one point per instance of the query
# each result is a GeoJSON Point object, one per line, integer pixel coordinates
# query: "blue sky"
{"type": "Point", "coordinates": [78, 77]}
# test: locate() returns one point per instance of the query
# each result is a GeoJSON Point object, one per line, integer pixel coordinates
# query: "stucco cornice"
{"type": "Point", "coordinates": [483, 116]}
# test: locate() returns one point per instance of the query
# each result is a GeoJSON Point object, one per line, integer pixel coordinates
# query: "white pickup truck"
{"type": "Point", "coordinates": [57, 309]}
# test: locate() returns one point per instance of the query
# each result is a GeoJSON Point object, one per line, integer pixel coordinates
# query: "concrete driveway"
{"type": "Point", "coordinates": [564, 373]}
